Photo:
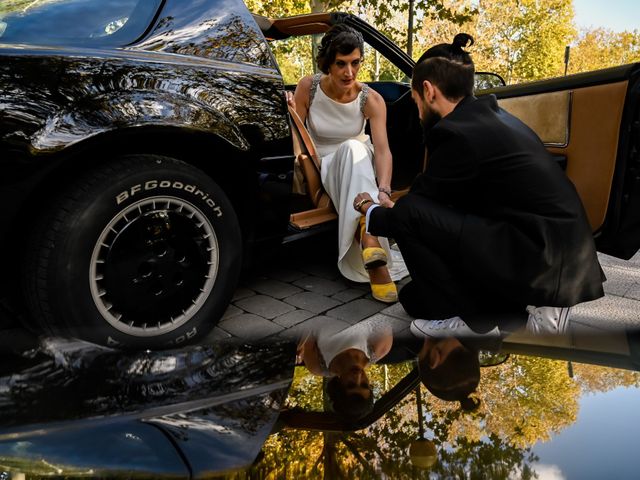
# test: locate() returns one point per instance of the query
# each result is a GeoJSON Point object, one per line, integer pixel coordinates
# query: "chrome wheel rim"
{"type": "Point", "coordinates": [153, 266]}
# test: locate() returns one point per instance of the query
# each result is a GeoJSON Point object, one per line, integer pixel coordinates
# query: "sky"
{"type": "Point", "coordinates": [616, 15]}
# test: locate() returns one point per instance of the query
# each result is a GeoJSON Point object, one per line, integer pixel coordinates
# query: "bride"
{"type": "Point", "coordinates": [335, 108]}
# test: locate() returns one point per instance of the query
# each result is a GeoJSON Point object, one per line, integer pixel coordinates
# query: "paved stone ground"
{"type": "Point", "coordinates": [298, 288]}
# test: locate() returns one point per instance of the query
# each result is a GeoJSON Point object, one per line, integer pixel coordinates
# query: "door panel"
{"type": "Point", "coordinates": [582, 124]}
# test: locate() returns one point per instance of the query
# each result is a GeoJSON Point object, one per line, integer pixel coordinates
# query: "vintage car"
{"type": "Point", "coordinates": [146, 150]}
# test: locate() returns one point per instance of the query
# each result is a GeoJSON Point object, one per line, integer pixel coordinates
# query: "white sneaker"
{"type": "Point", "coordinates": [451, 327]}
{"type": "Point", "coordinates": [548, 320]}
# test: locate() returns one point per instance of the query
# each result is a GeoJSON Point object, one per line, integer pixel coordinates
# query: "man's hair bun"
{"type": "Point", "coordinates": [462, 40]}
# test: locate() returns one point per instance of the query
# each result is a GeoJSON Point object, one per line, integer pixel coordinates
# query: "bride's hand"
{"type": "Point", "coordinates": [290, 101]}
{"type": "Point", "coordinates": [384, 199]}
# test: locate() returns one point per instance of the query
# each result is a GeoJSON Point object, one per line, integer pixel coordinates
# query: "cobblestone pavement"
{"type": "Point", "coordinates": [298, 288]}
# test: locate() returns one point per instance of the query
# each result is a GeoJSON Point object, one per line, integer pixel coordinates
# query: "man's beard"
{"type": "Point", "coordinates": [431, 117]}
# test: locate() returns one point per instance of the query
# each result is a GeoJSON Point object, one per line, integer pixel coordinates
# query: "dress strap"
{"type": "Point", "coordinates": [315, 81]}
{"type": "Point", "coordinates": [364, 94]}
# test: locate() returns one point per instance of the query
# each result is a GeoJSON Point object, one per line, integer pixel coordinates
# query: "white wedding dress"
{"type": "Point", "coordinates": [346, 170]}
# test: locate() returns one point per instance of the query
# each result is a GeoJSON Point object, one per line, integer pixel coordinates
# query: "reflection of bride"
{"type": "Point", "coordinates": [343, 356]}
{"type": "Point", "coordinates": [336, 107]}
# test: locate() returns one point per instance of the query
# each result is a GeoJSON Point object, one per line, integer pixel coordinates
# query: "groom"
{"type": "Point", "coordinates": [493, 224]}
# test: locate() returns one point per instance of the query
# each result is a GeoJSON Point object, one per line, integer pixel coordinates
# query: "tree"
{"type": "Point", "coordinates": [13, 6]}
{"type": "Point", "coordinates": [602, 48]}
{"type": "Point", "coordinates": [519, 39]}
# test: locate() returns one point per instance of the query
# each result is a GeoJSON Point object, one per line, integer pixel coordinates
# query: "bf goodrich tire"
{"type": "Point", "coordinates": [142, 252]}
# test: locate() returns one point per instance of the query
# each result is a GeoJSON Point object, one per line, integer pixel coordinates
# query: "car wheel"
{"type": "Point", "coordinates": [142, 252]}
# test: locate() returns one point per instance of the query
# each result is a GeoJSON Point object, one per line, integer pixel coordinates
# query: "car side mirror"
{"type": "Point", "coordinates": [487, 80]}
{"type": "Point", "coordinates": [491, 359]}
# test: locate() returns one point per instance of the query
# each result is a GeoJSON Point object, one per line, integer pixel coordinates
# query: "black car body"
{"type": "Point", "coordinates": [145, 148]}
{"type": "Point", "coordinates": [192, 81]}
{"type": "Point", "coordinates": [77, 409]}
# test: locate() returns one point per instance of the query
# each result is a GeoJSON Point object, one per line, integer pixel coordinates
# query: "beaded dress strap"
{"type": "Point", "coordinates": [314, 87]}
{"type": "Point", "coordinates": [363, 97]}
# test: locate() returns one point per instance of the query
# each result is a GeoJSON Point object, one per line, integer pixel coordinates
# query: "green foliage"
{"type": "Point", "coordinates": [17, 6]}
{"type": "Point", "coordinates": [519, 39]}
{"type": "Point", "coordinates": [602, 48]}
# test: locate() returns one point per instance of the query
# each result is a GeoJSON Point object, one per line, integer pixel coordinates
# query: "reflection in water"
{"type": "Point", "coordinates": [342, 358]}
{"type": "Point", "coordinates": [522, 402]}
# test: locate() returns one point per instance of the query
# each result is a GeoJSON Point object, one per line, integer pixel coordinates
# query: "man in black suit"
{"type": "Point", "coordinates": [493, 224]}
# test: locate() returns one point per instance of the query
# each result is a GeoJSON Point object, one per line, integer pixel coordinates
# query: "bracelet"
{"type": "Point", "coordinates": [362, 202]}
{"type": "Point", "coordinates": [385, 190]}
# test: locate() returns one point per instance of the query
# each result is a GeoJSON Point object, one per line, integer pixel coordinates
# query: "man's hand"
{"type": "Point", "coordinates": [362, 202]}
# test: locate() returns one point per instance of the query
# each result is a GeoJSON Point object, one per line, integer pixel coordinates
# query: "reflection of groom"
{"type": "Point", "coordinates": [493, 224]}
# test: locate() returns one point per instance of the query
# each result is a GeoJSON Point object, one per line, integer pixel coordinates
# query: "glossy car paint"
{"type": "Point", "coordinates": [200, 85]}
{"type": "Point", "coordinates": [175, 413]}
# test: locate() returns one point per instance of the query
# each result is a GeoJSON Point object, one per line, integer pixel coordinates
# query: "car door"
{"type": "Point", "coordinates": [590, 123]}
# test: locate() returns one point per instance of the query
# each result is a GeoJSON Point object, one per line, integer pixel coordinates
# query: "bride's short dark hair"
{"type": "Point", "coordinates": [341, 39]}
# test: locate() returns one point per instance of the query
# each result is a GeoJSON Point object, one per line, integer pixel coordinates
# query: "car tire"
{"type": "Point", "coordinates": [144, 251]}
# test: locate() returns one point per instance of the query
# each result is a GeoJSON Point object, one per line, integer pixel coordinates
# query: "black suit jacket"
{"type": "Point", "coordinates": [524, 227]}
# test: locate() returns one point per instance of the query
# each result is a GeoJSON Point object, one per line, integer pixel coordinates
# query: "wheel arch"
{"type": "Point", "coordinates": [230, 167]}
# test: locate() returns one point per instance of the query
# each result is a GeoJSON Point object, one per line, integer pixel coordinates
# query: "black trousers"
{"type": "Point", "coordinates": [428, 234]}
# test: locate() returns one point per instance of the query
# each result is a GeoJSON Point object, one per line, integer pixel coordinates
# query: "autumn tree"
{"type": "Point", "coordinates": [602, 48]}
{"type": "Point", "coordinates": [519, 39]}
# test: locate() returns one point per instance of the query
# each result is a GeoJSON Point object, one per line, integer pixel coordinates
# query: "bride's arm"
{"type": "Point", "coordinates": [376, 110]}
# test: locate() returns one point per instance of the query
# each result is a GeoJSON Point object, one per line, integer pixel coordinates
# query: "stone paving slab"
{"type": "Point", "coordinates": [398, 325]}
{"type": "Point", "coordinates": [313, 325]}
{"type": "Point", "coordinates": [633, 293]}
{"type": "Point", "coordinates": [293, 318]}
{"type": "Point", "coordinates": [286, 275]}
{"type": "Point", "coordinates": [608, 312]}
{"type": "Point", "coordinates": [264, 306]}
{"type": "Point", "coordinates": [309, 294]}
{"type": "Point", "coordinates": [320, 285]}
{"type": "Point", "coordinates": [241, 293]}
{"type": "Point", "coordinates": [356, 310]}
{"type": "Point", "coordinates": [273, 288]}
{"type": "Point", "coordinates": [396, 310]}
{"type": "Point", "coordinates": [327, 271]}
{"type": "Point", "coordinates": [231, 312]}
{"type": "Point", "coordinates": [313, 302]}
{"type": "Point", "coordinates": [348, 294]}
{"type": "Point", "coordinates": [217, 335]}
{"type": "Point", "coordinates": [250, 327]}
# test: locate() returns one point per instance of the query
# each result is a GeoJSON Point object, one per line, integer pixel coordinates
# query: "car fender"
{"type": "Point", "coordinates": [130, 110]}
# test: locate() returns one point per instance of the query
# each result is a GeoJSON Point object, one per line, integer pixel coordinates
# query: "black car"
{"type": "Point", "coordinates": [146, 148]}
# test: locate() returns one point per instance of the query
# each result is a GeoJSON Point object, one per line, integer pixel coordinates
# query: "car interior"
{"type": "Point", "coordinates": [578, 120]}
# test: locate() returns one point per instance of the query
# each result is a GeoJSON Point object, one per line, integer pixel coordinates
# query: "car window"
{"type": "Point", "coordinates": [295, 57]}
{"type": "Point", "coordinates": [76, 22]}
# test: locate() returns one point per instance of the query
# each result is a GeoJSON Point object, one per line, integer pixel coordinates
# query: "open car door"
{"type": "Point", "coordinates": [590, 122]}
